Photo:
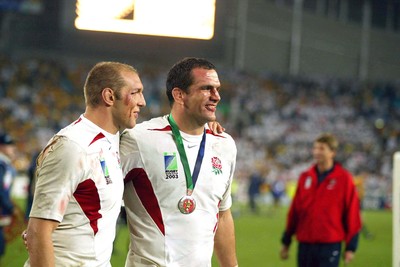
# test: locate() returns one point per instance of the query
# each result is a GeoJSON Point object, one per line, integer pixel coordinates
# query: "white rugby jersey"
{"type": "Point", "coordinates": [155, 182]}
{"type": "Point", "coordinates": [80, 185]}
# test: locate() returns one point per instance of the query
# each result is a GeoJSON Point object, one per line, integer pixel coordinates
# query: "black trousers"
{"type": "Point", "coordinates": [318, 255]}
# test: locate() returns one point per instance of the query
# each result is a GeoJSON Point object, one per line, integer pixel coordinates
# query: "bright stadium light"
{"type": "Point", "coordinates": [172, 18]}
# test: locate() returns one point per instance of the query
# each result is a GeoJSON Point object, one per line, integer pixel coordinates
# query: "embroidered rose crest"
{"type": "Point", "coordinates": [216, 165]}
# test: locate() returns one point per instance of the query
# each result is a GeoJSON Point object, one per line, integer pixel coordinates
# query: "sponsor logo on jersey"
{"type": "Point", "coordinates": [170, 165]}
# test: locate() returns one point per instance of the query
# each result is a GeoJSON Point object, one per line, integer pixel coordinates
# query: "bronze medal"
{"type": "Point", "coordinates": [187, 204]}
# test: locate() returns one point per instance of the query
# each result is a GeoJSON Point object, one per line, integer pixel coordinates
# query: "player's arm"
{"type": "Point", "coordinates": [39, 242]}
{"type": "Point", "coordinates": [225, 244]}
{"type": "Point", "coordinates": [60, 164]}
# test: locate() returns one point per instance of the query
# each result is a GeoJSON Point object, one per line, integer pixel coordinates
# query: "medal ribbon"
{"type": "Point", "coordinates": [191, 179]}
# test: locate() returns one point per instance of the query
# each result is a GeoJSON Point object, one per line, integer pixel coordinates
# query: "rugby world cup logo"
{"type": "Point", "coordinates": [104, 167]}
{"type": "Point", "coordinates": [170, 165]}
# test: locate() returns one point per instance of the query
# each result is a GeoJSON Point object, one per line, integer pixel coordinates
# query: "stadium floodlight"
{"type": "Point", "coordinates": [172, 18]}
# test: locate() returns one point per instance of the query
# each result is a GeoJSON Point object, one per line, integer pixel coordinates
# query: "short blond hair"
{"type": "Point", "coordinates": [105, 74]}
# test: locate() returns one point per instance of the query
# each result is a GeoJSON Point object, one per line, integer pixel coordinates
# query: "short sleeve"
{"type": "Point", "coordinates": [61, 167]}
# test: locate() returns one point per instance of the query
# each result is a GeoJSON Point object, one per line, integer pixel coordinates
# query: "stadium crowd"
{"type": "Point", "coordinates": [273, 118]}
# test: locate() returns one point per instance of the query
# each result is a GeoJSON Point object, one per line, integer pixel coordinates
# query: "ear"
{"type": "Point", "coordinates": [108, 96]}
{"type": "Point", "coordinates": [178, 95]}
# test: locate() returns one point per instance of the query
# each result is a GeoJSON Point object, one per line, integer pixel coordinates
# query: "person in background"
{"type": "Point", "coordinates": [31, 184]}
{"type": "Point", "coordinates": [278, 189]}
{"type": "Point", "coordinates": [7, 176]}
{"type": "Point", "coordinates": [178, 177]}
{"type": "Point", "coordinates": [255, 183]}
{"type": "Point", "coordinates": [325, 210]}
{"type": "Point", "coordinates": [79, 183]}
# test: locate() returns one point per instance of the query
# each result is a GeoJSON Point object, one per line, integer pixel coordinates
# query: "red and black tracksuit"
{"type": "Point", "coordinates": [324, 212]}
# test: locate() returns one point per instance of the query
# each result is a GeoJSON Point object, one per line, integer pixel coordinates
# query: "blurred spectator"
{"type": "Point", "coordinates": [257, 180]}
{"type": "Point", "coordinates": [277, 191]}
{"type": "Point", "coordinates": [7, 175]}
{"type": "Point", "coordinates": [31, 185]}
{"type": "Point", "coordinates": [272, 117]}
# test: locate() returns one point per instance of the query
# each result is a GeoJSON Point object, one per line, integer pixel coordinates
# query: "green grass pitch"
{"type": "Point", "coordinates": [257, 238]}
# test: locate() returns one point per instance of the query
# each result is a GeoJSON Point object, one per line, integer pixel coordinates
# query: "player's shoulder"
{"type": "Point", "coordinates": [62, 149]}
{"type": "Point", "coordinates": [222, 137]}
{"type": "Point", "coordinates": [154, 123]}
{"type": "Point", "coordinates": [141, 133]}
{"type": "Point", "coordinates": [85, 134]}
{"type": "Point", "coordinates": [72, 136]}
{"type": "Point", "coordinates": [228, 137]}
{"type": "Point", "coordinates": [222, 143]}
{"type": "Point", "coordinates": [66, 144]}
{"type": "Point", "coordinates": [127, 141]}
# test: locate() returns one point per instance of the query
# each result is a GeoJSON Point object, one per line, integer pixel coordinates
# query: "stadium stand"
{"type": "Point", "coordinates": [273, 118]}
